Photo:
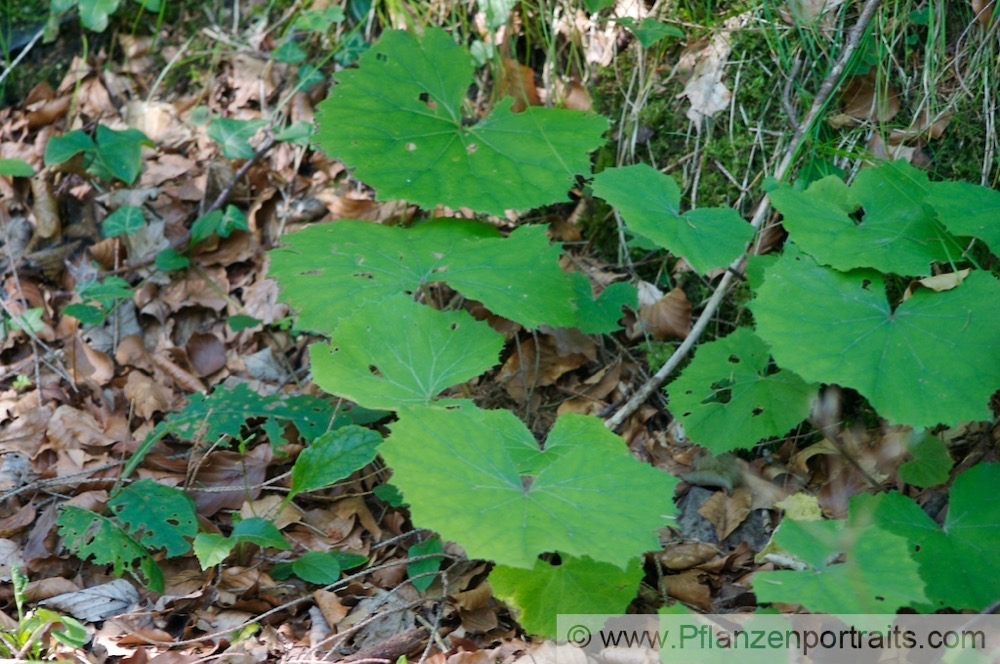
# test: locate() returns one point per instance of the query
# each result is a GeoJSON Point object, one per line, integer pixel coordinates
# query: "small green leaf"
{"type": "Point", "coordinates": [233, 136]}
{"type": "Point", "coordinates": [63, 148]}
{"type": "Point", "coordinates": [931, 464]}
{"type": "Point", "coordinates": [289, 53]}
{"type": "Point", "coordinates": [389, 493]}
{"type": "Point", "coordinates": [299, 133]}
{"type": "Point", "coordinates": [496, 12]}
{"type": "Point", "coordinates": [126, 220]}
{"type": "Point", "coordinates": [574, 586]}
{"type": "Point", "coordinates": [73, 634]}
{"type": "Point", "coordinates": [240, 322]}
{"type": "Point", "coordinates": [968, 210]}
{"type": "Point", "coordinates": [171, 259]}
{"type": "Point", "coordinates": [958, 560]}
{"type": "Point", "coordinates": [877, 577]}
{"type": "Point", "coordinates": [94, 13]}
{"type": "Point", "coordinates": [233, 219]}
{"type": "Point", "coordinates": [481, 479]}
{"type": "Point", "coordinates": [897, 233]}
{"type": "Point", "coordinates": [707, 238]}
{"type": "Point", "coordinates": [212, 548]}
{"type": "Point", "coordinates": [408, 362]}
{"type": "Point", "coordinates": [91, 536]}
{"type": "Point", "coordinates": [332, 457]}
{"type": "Point", "coordinates": [425, 566]}
{"type": "Point", "coordinates": [157, 516]}
{"type": "Point", "coordinates": [30, 320]}
{"type": "Point", "coordinates": [728, 398]}
{"type": "Point", "coordinates": [16, 168]}
{"type": "Point", "coordinates": [399, 120]}
{"type": "Point", "coordinates": [309, 76]}
{"type": "Point", "coordinates": [650, 31]}
{"type": "Point", "coordinates": [261, 532]}
{"type": "Point", "coordinates": [319, 20]}
{"type": "Point", "coordinates": [594, 6]}
{"type": "Point", "coordinates": [934, 359]}
{"type": "Point", "coordinates": [107, 291]}
{"type": "Point", "coordinates": [601, 315]}
{"type": "Point", "coordinates": [217, 222]}
{"type": "Point", "coordinates": [317, 567]}
{"type": "Point", "coordinates": [118, 154]}
{"type": "Point", "coordinates": [86, 313]}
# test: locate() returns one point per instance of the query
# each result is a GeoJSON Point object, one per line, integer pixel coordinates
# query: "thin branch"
{"type": "Point", "coordinates": [819, 103]}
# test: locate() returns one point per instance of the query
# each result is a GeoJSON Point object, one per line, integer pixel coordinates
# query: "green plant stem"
{"type": "Point", "coordinates": [830, 83]}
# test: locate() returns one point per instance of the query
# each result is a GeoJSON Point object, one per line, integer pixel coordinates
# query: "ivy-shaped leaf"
{"type": "Point", "coordinates": [968, 210]}
{"type": "Point", "coordinates": [332, 457]}
{"type": "Point", "coordinates": [479, 478]}
{"type": "Point", "coordinates": [707, 238]}
{"type": "Point", "coordinates": [126, 220]}
{"type": "Point", "coordinates": [233, 136]}
{"type": "Point", "coordinates": [934, 359]}
{"type": "Point", "coordinates": [728, 398]}
{"type": "Point", "coordinates": [877, 576]}
{"type": "Point", "coordinates": [91, 536]}
{"type": "Point", "coordinates": [60, 149]}
{"type": "Point", "coordinates": [958, 560]}
{"type": "Point", "coordinates": [118, 154]}
{"type": "Point", "coordinates": [157, 516]}
{"type": "Point", "coordinates": [574, 586]}
{"type": "Point", "coordinates": [400, 121]}
{"type": "Point", "coordinates": [897, 231]}
{"type": "Point", "coordinates": [328, 271]}
{"type": "Point", "coordinates": [398, 353]}
{"type": "Point", "coordinates": [94, 13]}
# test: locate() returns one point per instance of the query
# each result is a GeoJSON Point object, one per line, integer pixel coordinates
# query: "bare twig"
{"type": "Point", "coordinates": [21, 55]}
{"type": "Point", "coordinates": [760, 214]}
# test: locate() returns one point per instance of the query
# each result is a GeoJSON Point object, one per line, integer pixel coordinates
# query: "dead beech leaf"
{"type": "Point", "coordinates": [689, 587]}
{"type": "Point", "coordinates": [519, 82]}
{"type": "Point", "coordinates": [27, 433]}
{"type": "Point", "coordinates": [726, 513]}
{"type": "Point", "coordinates": [331, 608]}
{"type": "Point", "coordinates": [474, 598]}
{"type": "Point", "coordinates": [184, 379]}
{"type": "Point", "coordinates": [238, 476]}
{"type": "Point", "coordinates": [943, 282]}
{"type": "Point", "coordinates": [206, 352]}
{"type": "Point", "coordinates": [705, 90]}
{"type": "Point", "coordinates": [534, 365]}
{"type": "Point", "coordinates": [69, 428]}
{"type": "Point", "coordinates": [271, 508]}
{"type": "Point", "coordinates": [881, 151]}
{"type": "Point", "coordinates": [85, 363]}
{"type": "Point", "coordinates": [45, 208]}
{"type": "Point", "coordinates": [20, 519]}
{"type": "Point", "coordinates": [573, 95]}
{"type": "Point", "coordinates": [687, 555]}
{"type": "Point", "coordinates": [984, 10]}
{"type": "Point", "coordinates": [36, 591]}
{"type": "Point", "coordinates": [147, 395]}
{"type": "Point", "coordinates": [667, 318]}
{"type": "Point", "coordinates": [865, 97]}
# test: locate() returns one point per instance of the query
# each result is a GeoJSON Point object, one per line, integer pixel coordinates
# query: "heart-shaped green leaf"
{"type": "Point", "coordinates": [332, 457]}
{"type": "Point", "coordinates": [400, 121]}
{"type": "Point", "coordinates": [478, 477]}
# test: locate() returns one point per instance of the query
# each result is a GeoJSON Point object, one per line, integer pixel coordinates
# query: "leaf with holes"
{"type": "Point", "coordinates": [729, 399]}
{"type": "Point", "coordinates": [934, 359]}
{"type": "Point", "coordinates": [157, 516]}
{"type": "Point", "coordinates": [233, 136]}
{"type": "Point", "coordinates": [881, 221]}
{"type": "Point", "coordinates": [958, 560]}
{"type": "Point", "coordinates": [409, 361]}
{"type": "Point", "coordinates": [968, 210]}
{"type": "Point", "coordinates": [877, 576]}
{"type": "Point", "coordinates": [649, 201]}
{"type": "Point", "coordinates": [399, 120]}
{"type": "Point", "coordinates": [328, 271]}
{"type": "Point", "coordinates": [574, 586]}
{"type": "Point", "coordinates": [332, 457]}
{"type": "Point", "coordinates": [91, 536]}
{"type": "Point", "coordinates": [479, 477]}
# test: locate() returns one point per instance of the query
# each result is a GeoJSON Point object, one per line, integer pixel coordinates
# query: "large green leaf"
{"type": "Point", "coordinates": [332, 457]}
{"type": "Point", "coordinates": [650, 203]}
{"type": "Point", "coordinates": [877, 576]}
{"type": "Point", "coordinates": [398, 353]}
{"type": "Point", "coordinates": [157, 516]}
{"type": "Point", "coordinates": [479, 478]}
{"type": "Point", "coordinates": [574, 586]}
{"type": "Point", "coordinates": [958, 561]}
{"type": "Point", "coordinates": [727, 397]}
{"type": "Point", "coordinates": [934, 359]}
{"type": "Point", "coordinates": [400, 121]}
{"type": "Point", "coordinates": [897, 231]}
{"type": "Point", "coordinates": [969, 210]}
{"type": "Point", "coordinates": [327, 271]}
